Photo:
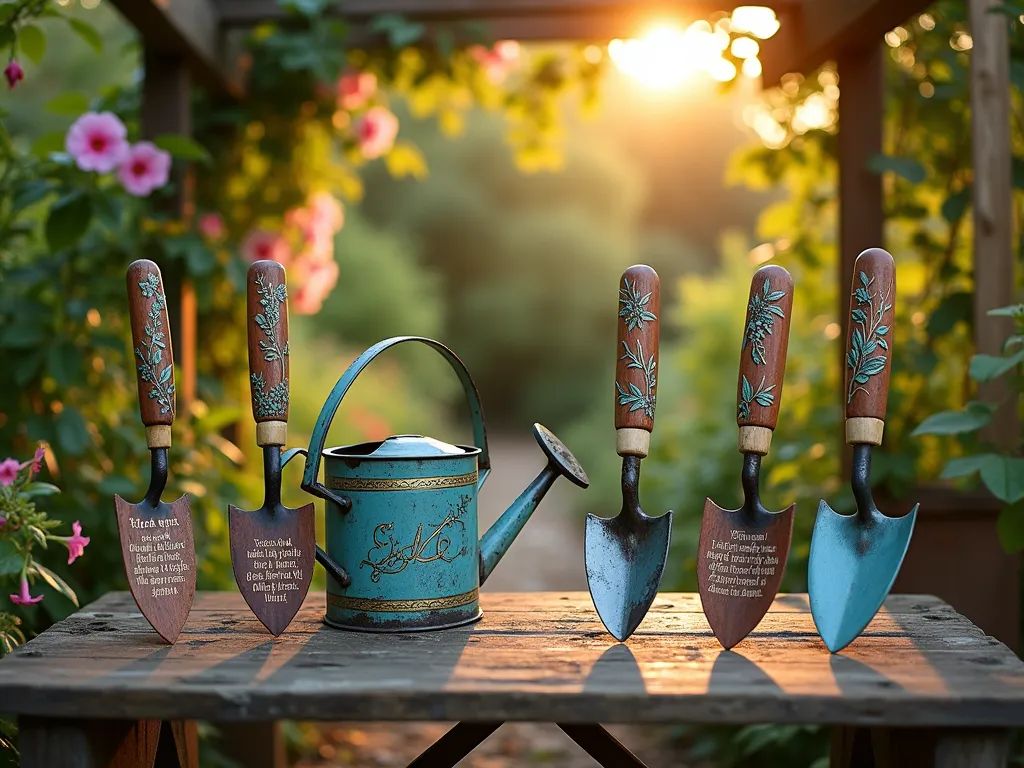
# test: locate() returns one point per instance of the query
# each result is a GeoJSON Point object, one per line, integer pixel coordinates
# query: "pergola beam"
{"type": "Point", "coordinates": [187, 28]}
{"type": "Point", "coordinates": [822, 30]}
{"type": "Point", "coordinates": [598, 20]}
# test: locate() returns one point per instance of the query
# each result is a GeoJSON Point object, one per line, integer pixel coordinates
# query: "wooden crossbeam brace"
{"type": "Point", "coordinates": [822, 30]}
{"type": "Point", "coordinates": [188, 28]}
{"type": "Point", "coordinates": [598, 20]}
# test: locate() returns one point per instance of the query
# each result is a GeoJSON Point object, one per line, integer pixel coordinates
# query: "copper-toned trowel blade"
{"type": "Point", "coordinates": [272, 553]}
{"type": "Point", "coordinates": [159, 555]}
{"type": "Point", "coordinates": [740, 566]}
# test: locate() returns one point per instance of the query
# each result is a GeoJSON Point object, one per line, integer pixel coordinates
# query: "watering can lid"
{"type": "Point", "coordinates": [415, 446]}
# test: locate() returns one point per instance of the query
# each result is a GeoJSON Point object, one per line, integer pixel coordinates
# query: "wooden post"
{"type": "Point", "coordinates": [861, 202]}
{"type": "Point", "coordinates": [166, 108]}
{"type": "Point", "coordinates": [994, 284]}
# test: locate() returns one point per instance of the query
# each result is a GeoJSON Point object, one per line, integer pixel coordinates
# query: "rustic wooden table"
{"type": "Point", "coordinates": [922, 686]}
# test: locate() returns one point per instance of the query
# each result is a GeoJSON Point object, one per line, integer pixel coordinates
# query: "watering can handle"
{"type": "Point", "coordinates": [323, 422]}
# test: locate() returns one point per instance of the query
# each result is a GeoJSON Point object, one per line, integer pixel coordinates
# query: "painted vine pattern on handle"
{"type": "Point", "coordinates": [151, 360]}
{"type": "Point", "coordinates": [274, 401]}
{"type": "Point", "coordinates": [388, 557]}
{"type": "Point", "coordinates": [868, 335]}
{"type": "Point", "coordinates": [634, 398]}
{"type": "Point", "coordinates": [634, 314]}
{"type": "Point", "coordinates": [763, 397]}
{"type": "Point", "coordinates": [761, 313]}
{"type": "Point", "coordinates": [634, 310]}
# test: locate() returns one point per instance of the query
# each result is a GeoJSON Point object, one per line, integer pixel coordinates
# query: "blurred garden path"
{"type": "Point", "coordinates": [547, 555]}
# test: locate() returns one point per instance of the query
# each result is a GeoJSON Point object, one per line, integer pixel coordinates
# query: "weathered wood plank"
{"type": "Point", "coordinates": [827, 28]}
{"type": "Point", "coordinates": [541, 657]}
{"type": "Point", "coordinates": [992, 204]}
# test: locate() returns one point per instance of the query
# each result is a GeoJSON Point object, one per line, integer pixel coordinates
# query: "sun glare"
{"type": "Point", "coordinates": [668, 55]}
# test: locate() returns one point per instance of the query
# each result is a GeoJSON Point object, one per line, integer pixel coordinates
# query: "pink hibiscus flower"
{"type": "Point", "coordinates": [262, 244]}
{"type": "Point", "coordinates": [376, 132]}
{"type": "Point", "coordinates": [145, 168]}
{"type": "Point", "coordinates": [97, 141]}
{"type": "Point", "coordinates": [211, 226]}
{"type": "Point", "coordinates": [9, 471]}
{"type": "Point", "coordinates": [355, 89]}
{"type": "Point", "coordinates": [13, 72]}
{"type": "Point", "coordinates": [76, 542]}
{"type": "Point", "coordinates": [23, 597]}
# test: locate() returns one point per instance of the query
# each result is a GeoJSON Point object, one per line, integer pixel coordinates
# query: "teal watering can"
{"type": "Point", "coordinates": [402, 552]}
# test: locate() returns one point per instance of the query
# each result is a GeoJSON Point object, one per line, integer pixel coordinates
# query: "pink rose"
{"type": "Point", "coordinates": [97, 142]}
{"type": "Point", "coordinates": [261, 244]}
{"type": "Point", "coordinates": [497, 61]}
{"type": "Point", "coordinates": [9, 471]}
{"type": "Point", "coordinates": [146, 167]}
{"type": "Point", "coordinates": [318, 278]}
{"type": "Point", "coordinates": [355, 89]}
{"type": "Point", "coordinates": [23, 597]}
{"type": "Point", "coordinates": [327, 211]}
{"type": "Point", "coordinates": [211, 226]}
{"type": "Point", "coordinates": [76, 542]}
{"type": "Point", "coordinates": [14, 73]}
{"type": "Point", "coordinates": [376, 132]}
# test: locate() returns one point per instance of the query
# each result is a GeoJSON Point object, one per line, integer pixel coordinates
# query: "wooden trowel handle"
{"type": "Point", "coordinates": [869, 346]}
{"type": "Point", "coordinates": [636, 371]}
{"type": "Point", "coordinates": [763, 357]}
{"type": "Point", "coordinates": [267, 328]}
{"type": "Point", "coordinates": [151, 340]}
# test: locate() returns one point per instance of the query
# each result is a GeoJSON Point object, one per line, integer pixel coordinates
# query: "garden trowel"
{"type": "Point", "coordinates": [855, 558]}
{"type": "Point", "coordinates": [742, 552]}
{"type": "Point", "coordinates": [156, 538]}
{"type": "Point", "coordinates": [273, 547]}
{"type": "Point", "coordinates": [625, 555]}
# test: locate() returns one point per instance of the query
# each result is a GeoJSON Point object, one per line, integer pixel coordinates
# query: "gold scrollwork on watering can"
{"type": "Point", "coordinates": [388, 557]}
{"type": "Point", "coordinates": [401, 483]}
{"type": "Point", "coordinates": [419, 604]}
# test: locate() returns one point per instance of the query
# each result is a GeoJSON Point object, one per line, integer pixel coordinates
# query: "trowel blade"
{"type": "Point", "coordinates": [740, 563]}
{"type": "Point", "coordinates": [159, 554]}
{"type": "Point", "coordinates": [272, 554]}
{"type": "Point", "coordinates": [852, 566]}
{"type": "Point", "coordinates": [625, 558]}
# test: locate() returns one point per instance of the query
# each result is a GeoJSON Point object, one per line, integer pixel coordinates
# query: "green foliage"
{"type": "Point", "coordinates": [1002, 473]}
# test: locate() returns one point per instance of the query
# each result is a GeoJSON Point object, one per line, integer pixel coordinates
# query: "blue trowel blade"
{"type": "Point", "coordinates": [852, 566]}
{"type": "Point", "coordinates": [624, 568]}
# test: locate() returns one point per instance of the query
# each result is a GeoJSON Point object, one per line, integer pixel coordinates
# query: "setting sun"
{"type": "Point", "coordinates": [668, 55]}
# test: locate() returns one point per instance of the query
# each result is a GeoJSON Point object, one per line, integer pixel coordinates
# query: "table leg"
{"type": "Point", "coordinates": [851, 748]}
{"type": "Point", "coordinates": [47, 742]}
{"type": "Point", "coordinates": [454, 745]}
{"type": "Point", "coordinates": [608, 751]}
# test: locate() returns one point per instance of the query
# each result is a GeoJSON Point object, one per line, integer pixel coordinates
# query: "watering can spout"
{"type": "Point", "coordinates": [561, 463]}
